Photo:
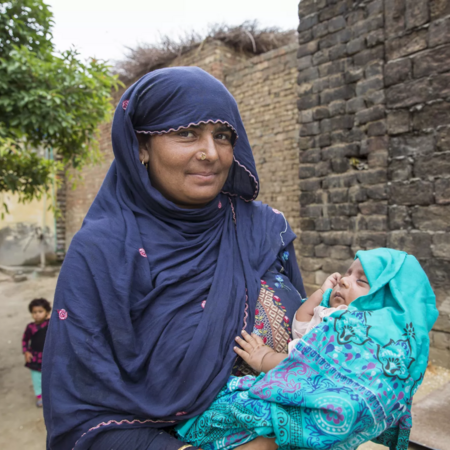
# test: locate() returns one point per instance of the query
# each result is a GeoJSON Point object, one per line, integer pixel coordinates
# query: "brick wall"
{"type": "Point", "coordinates": [373, 85]}
{"type": "Point", "coordinates": [264, 87]}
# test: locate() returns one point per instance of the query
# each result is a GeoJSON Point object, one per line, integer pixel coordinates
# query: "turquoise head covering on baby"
{"type": "Point", "coordinates": [349, 380]}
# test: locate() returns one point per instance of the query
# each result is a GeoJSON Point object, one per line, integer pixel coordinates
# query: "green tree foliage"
{"type": "Point", "coordinates": [47, 100]}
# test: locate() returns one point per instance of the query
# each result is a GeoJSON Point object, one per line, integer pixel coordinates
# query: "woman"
{"type": "Point", "coordinates": [166, 270]}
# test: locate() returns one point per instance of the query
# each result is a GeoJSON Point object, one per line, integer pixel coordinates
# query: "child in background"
{"type": "Point", "coordinates": [33, 342]}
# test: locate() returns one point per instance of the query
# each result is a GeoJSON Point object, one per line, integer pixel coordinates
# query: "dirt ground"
{"type": "Point", "coordinates": [21, 422]}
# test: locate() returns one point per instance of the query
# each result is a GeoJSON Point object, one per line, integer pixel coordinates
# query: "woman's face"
{"type": "Point", "coordinates": [176, 167]}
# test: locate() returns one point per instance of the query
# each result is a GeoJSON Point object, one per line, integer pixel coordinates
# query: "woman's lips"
{"type": "Point", "coordinates": [203, 177]}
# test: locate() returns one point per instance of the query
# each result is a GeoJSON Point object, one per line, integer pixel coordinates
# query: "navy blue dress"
{"type": "Point", "coordinates": [280, 296]}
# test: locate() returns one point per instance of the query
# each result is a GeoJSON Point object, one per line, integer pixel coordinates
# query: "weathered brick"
{"type": "Point", "coordinates": [337, 238]}
{"type": "Point", "coordinates": [334, 67]}
{"type": "Point", "coordinates": [377, 192]}
{"type": "Point", "coordinates": [406, 45]}
{"type": "Point", "coordinates": [336, 265]}
{"type": "Point", "coordinates": [439, 8]}
{"type": "Point", "coordinates": [377, 143]}
{"type": "Point", "coordinates": [308, 198]}
{"type": "Point", "coordinates": [370, 114]}
{"type": "Point", "coordinates": [375, 98]}
{"type": "Point", "coordinates": [320, 57]}
{"type": "Point", "coordinates": [306, 171]}
{"type": "Point", "coordinates": [307, 250]}
{"type": "Point", "coordinates": [375, 7]}
{"type": "Point", "coordinates": [356, 45]}
{"type": "Point", "coordinates": [367, 56]}
{"type": "Point", "coordinates": [340, 93]}
{"type": "Point", "coordinates": [312, 211]}
{"type": "Point", "coordinates": [400, 170]}
{"type": "Point", "coordinates": [307, 49]}
{"type": "Point", "coordinates": [340, 252]}
{"type": "Point", "coordinates": [376, 128]}
{"type": "Point", "coordinates": [336, 24]}
{"type": "Point", "coordinates": [353, 74]}
{"type": "Point", "coordinates": [432, 218]}
{"type": "Point", "coordinates": [323, 168]}
{"type": "Point", "coordinates": [371, 239]}
{"type": "Point", "coordinates": [307, 102]}
{"type": "Point", "coordinates": [310, 156]}
{"type": "Point", "coordinates": [371, 208]}
{"type": "Point", "coordinates": [398, 122]}
{"type": "Point", "coordinates": [305, 143]}
{"type": "Point", "coordinates": [339, 181]}
{"type": "Point", "coordinates": [376, 223]}
{"type": "Point", "coordinates": [434, 165]}
{"type": "Point", "coordinates": [357, 194]}
{"type": "Point", "coordinates": [378, 160]}
{"type": "Point", "coordinates": [340, 223]}
{"type": "Point", "coordinates": [311, 264]}
{"type": "Point", "coordinates": [309, 74]}
{"type": "Point", "coordinates": [306, 224]}
{"type": "Point", "coordinates": [397, 71]}
{"type": "Point", "coordinates": [305, 89]}
{"type": "Point", "coordinates": [414, 243]}
{"type": "Point", "coordinates": [322, 251]}
{"type": "Point", "coordinates": [441, 246]}
{"type": "Point", "coordinates": [374, 38]}
{"type": "Point", "coordinates": [394, 12]}
{"type": "Point", "coordinates": [319, 85]}
{"type": "Point", "coordinates": [355, 104]}
{"type": "Point", "coordinates": [411, 145]}
{"type": "Point", "coordinates": [321, 112]}
{"type": "Point", "coordinates": [443, 139]}
{"type": "Point", "coordinates": [372, 84]}
{"type": "Point", "coordinates": [342, 209]}
{"type": "Point", "coordinates": [442, 191]}
{"type": "Point", "coordinates": [337, 107]}
{"type": "Point", "coordinates": [432, 116]}
{"type": "Point", "coordinates": [339, 37]}
{"type": "Point", "coordinates": [332, 11]}
{"type": "Point", "coordinates": [408, 94]}
{"type": "Point", "coordinates": [399, 217]}
{"type": "Point", "coordinates": [433, 61]}
{"type": "Point", "coordinates": [320, 30]}
{"type": "Point", "coordinates": [310, 129]}
{"type": "Point", "coordinates": [305, 36]}
{"type": "Point", "coordinates": [375, 69]}
{"type": "Point", "coordinates": [324, 140]}
{"type": "Point", "coordinates": [416, 192]}
{"type": "Point", "coordinates": [322, 224]}
{"type": "Point", "coordinates": [337, 80]}
{"type": "Point", "coordinates": [440, 85]}
{"type": "Point", "coordinates": [416, 13]}
{"type": "Point", "coordinates": [304, 63]}
{"type": "Point", "coordinates": [340, 165]}
{"type": "Point", "coordinates": [438, 272]}
{"type": "Point", "coordinates": [366, 26]}
{"type": "Point", "coordinates": [372, 176]}
{"type": "Point", "coordinates": [310, 185]}
{"type": "Point", "coordinates": [308, 22]}
{"type": "Point", "coordinates": [439, 32]}
{"type": "Point", "coordinates": [338, 195]}
{"type": "Point", "coordinates": [340, 150]}
{"type": "Point", "coordinates": [342, 122]}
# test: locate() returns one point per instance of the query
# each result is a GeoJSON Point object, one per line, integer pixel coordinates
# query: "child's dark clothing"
{"type": "Point", "coordinates": [33, 341]}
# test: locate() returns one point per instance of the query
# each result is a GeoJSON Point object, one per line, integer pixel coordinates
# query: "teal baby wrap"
{"type": "Point", "coordinates": [349, 380]}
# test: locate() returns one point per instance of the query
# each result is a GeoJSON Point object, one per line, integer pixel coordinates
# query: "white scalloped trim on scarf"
{"type": "Point", "coordinates": [103, 424]}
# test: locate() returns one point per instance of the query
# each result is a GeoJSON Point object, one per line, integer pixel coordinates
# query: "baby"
{"type": "Point", "coordinates": [351, 370]}
{"type": "Point", "coordinates": [345, 289]}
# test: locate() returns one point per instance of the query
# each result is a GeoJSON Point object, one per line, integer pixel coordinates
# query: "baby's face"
{"type": "Point", "coordinates": [352, 285]}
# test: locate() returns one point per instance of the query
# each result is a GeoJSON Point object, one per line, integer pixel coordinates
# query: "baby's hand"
{"type": "Point", "coordinates": [331, 281]}
{"type": "Point", "coordinates": [253, 350]}
{"type": "Point", "coordinates": [28, 357]}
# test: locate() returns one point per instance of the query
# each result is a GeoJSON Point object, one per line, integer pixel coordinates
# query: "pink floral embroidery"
{"type": "Point", "coordinates": [142, 252]}
{"type": "Point", "coordinates": [203, 304]}
{"type": "Point", "coordinates": [219, 205]}
{"type": "Point", "coordinates": [335, 414]}
{"type": "Point", "coordinates": [181, 413]}
{"type": "Point", "coordinates": [125, 104]}
{"type": "Point", "coordinates": [62, 313]}
{"type": "Point", "coordinates": [276, 211]}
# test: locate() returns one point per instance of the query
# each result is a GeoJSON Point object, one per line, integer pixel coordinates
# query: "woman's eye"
{"type": "Point", "coordinates": [223, 137]}
{"type": "Point", "coordinates": [186, 133]}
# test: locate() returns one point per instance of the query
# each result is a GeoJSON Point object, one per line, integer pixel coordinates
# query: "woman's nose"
{"type": "Point", "coordinates": [208, 146]}
{"type": "Point", "coordinates": [344, 282]}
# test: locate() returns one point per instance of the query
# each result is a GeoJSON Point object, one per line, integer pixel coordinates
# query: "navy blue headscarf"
{"type": "Point", "coordinates": [151, 295]}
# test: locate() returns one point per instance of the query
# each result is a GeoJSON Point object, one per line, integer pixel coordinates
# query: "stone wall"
{"type": "Point", "coordinates": [264, 87]}
{"type": "Point", "coordinates": [373, 91]}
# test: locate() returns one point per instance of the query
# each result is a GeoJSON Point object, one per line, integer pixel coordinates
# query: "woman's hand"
{"type": "Point", "coordinates": [28, 357]}
{"type": "Point", "coordinates": [253, 350]}
{"type": "Point", "coordinates": [331, 282]}
{"type": "Point", "coordinates": [260, 443]}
